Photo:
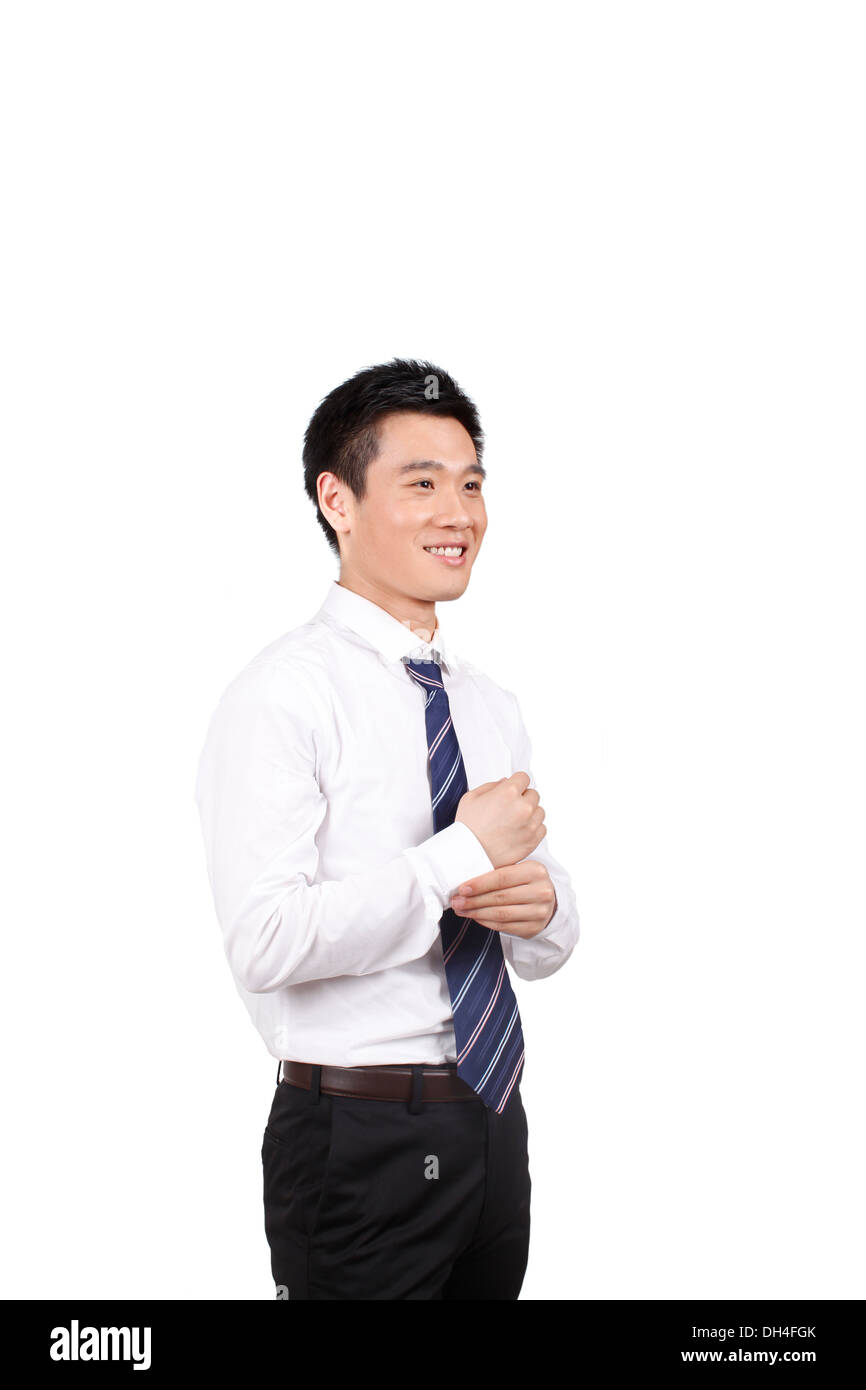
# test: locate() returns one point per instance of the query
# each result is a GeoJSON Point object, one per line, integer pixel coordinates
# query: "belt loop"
{"type": "Point", "coordinates": [315, 1083]}
{"type": "Point", "coordinates": [279, 1072]}
{"type": "Point", "coordinates": [416, 1104]}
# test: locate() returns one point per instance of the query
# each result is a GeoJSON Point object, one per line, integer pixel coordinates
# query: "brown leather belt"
{"type": "Point", "coordinates": [383, 1082]}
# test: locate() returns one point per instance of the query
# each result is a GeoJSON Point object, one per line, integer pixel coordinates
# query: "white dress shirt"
{"type": "Point", "coordinates": [313, 789]}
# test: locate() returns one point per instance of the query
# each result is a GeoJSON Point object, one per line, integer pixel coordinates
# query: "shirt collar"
{"type": "Point", "coordinates": [392, 638]}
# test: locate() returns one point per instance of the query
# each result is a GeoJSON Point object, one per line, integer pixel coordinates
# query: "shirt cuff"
{"type": "Point", "coordinates": [450, 857]}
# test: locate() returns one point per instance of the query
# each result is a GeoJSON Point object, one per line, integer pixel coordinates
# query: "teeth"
{"type": "Point", "coordinates": [445, 549]}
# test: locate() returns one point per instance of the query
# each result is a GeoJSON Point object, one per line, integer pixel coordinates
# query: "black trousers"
{"type": "Point", "coordinates": [364, 1199]}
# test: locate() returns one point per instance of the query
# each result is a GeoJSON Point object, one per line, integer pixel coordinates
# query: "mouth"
{"type": "Point", "coordinates": [454, 555]}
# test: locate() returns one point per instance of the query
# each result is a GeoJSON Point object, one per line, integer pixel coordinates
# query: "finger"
{"type": "Point", "coordinates": [513, 912]}
{"type": "Point", "coordinates": [525, 892]}
{"type": "Point", "coordinates": [521, 926]}
{"type": "Point", "coordinates": [502, 877]}
{"type": "Point", "coordinates": [499, 890]}
{"type": "Point", "coordinates": [484, 883]}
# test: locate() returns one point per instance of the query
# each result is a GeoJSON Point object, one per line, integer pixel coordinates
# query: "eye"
{"type": "Point", "coordinates": [421, 482]}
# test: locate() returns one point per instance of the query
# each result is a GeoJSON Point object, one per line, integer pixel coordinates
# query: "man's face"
{"type": "Point", "coordinates": [424, 489]}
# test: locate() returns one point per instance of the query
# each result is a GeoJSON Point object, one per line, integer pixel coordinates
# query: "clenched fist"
{"type": "Point", "coordinates": [505, 816]}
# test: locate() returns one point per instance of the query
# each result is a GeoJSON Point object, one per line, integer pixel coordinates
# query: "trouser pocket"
{"type": "Point", "coordinates": [295, 1148]}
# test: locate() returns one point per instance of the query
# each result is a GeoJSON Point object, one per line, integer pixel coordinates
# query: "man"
{"type": "Point", "coordinates": [377, 853]}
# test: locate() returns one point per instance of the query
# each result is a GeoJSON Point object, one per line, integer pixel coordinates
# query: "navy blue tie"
{"type": "Point", "coordinates": [486, 1018]}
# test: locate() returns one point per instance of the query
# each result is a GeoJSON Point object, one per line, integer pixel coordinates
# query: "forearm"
{"type": "Point", "coordinates": [290, 931]}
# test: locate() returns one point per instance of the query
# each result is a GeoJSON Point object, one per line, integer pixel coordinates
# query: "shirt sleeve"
{"type": "Point", "coordinates": [260, 807]}
{"type": "Point", "coordinates": [535, 957]}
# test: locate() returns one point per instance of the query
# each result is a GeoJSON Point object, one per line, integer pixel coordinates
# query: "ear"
{"type": "Point", "coordinates": [335, 500]}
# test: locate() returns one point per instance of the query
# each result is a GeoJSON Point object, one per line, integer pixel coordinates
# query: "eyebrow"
{"type": "Point", "coordinates": [426, 464]}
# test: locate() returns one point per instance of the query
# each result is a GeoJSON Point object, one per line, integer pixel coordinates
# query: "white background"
{"type": "Point", "coordinates": [634, 233]}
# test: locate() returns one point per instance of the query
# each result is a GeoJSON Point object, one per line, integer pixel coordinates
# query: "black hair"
{"type": "Point", "coordinates": [342, 437]}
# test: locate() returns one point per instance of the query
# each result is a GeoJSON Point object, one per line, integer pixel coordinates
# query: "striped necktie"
{"type": "Point", "coordinates": [486, 1018]}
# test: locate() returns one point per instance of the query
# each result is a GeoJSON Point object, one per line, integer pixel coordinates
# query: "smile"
{"type": "Point", "coordinates": [447, 554]}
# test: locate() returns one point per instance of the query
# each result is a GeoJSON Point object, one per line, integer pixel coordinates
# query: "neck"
{"type": "Point", "coordinates": [418, 614]}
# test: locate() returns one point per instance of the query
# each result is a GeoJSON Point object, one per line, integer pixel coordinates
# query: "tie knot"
{"type": "Point", "coordinates": [426, 673]}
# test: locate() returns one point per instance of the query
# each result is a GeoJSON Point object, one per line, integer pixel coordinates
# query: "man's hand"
{"type": "Point", "coordinates": [505, 816]}
{"type": "Point", "coordinates": [518, 899]}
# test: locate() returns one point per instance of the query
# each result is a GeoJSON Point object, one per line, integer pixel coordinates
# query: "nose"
{"type": "Point", "coordinates": [453, 510]}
